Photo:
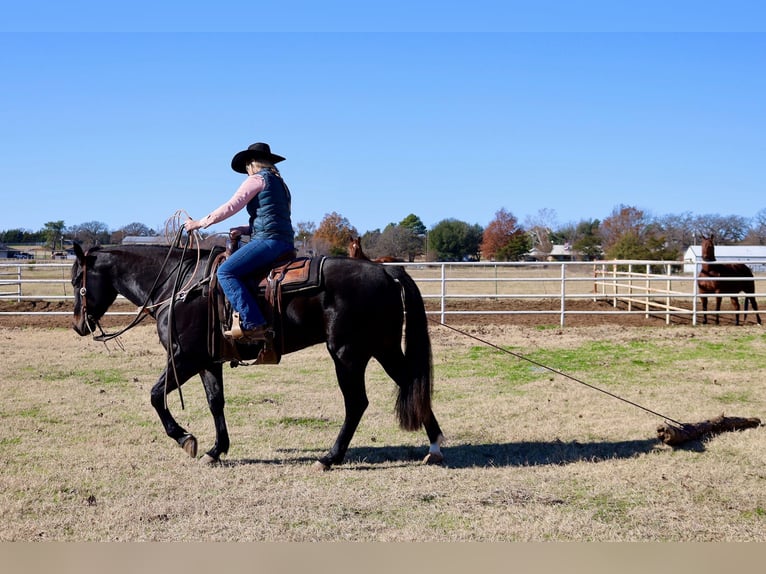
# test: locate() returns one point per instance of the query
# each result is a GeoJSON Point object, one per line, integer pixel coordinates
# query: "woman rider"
{"type": "Point", "coordinates": [267, 199]}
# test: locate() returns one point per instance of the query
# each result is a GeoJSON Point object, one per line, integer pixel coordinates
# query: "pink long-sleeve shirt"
{"type": "Point", "coordinates": [251, 187]}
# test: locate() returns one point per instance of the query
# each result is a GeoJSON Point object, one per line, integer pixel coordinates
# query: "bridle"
{"type": "Point", "coordinates": [145, 308]}
{"type": "Point", "coordinates": [104, 336]}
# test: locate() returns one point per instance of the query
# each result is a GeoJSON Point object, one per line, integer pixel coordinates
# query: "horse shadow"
{"type": "Point", "coordinates": [470, 455]}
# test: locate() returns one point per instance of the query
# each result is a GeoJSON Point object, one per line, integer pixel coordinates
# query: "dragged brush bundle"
{"type": "Point", "coordinates": [673, 435]}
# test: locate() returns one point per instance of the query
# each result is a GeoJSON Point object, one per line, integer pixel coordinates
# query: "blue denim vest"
{"type": "Point", "coordinates": [270, 210]}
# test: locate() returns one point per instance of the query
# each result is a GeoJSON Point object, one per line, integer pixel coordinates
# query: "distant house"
{"type": "Point", "coordinates": [754, 256]}
{"type": "Point", "coordinates": [11, 253]}
{"type": "Point", "coordinates": [558, 253]}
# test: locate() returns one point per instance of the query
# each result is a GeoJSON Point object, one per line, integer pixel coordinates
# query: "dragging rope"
{"type": "Point", "coordinates": [672, 432]}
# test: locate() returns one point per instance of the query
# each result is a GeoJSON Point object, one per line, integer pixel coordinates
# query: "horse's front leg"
{"type": "Point", "coordinates": [703, 300]}
{"type": "Point", "coordinates": [212, 380]}
{"type": "Point", "coordinates": [718, 310]}
{"type": "Point", "coordinates": [165, 385]}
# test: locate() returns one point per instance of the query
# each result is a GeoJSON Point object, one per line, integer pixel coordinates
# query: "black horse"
{"type": "Point", "coordinates": [358, 311]}
{"type": "Point", "coordinates": [725, 279]}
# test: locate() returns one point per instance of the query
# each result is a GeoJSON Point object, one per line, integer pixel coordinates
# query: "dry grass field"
{"type": "Point", "coordinates": [531, 455]}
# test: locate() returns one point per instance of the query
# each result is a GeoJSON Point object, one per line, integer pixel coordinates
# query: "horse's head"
{"type": "Point", "coordinates": [708, 248]}
{"type": "Point", "coordinates": [93, 291]}
{"type": "Point", "coordinates": [355, 249]}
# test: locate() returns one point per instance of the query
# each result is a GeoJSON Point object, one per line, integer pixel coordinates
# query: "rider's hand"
{"type": "Point", "coordinates": [191, 224]}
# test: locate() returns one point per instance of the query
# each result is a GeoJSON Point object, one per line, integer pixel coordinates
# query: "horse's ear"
{"type": "Point", "coordinates": [79, 253]}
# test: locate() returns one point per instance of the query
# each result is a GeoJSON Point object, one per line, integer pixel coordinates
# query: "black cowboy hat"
{"type": "Point", "coordinates": [256, 151]}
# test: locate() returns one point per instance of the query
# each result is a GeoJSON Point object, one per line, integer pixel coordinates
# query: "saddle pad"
{"type": "Point", "coordinates": [296, 275]}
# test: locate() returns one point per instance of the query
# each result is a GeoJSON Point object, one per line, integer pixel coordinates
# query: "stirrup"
{"type": "Point", "coordinates": [268, 354]}
{"type": "Point", "coordinates": [235, 332]}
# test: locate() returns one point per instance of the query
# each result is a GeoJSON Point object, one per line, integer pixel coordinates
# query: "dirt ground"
{"type": "Point", "coordinates": [53, 319]}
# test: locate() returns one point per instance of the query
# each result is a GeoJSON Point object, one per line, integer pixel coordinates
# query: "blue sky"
{"type": "Point", "coordinates": [439, 110]}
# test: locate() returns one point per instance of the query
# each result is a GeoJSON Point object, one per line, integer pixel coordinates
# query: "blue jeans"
{"type": "Point", "coordinates": [257, 254]}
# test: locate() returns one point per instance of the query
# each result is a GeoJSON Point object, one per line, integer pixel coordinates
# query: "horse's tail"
{"type": "Point", "coordinates": [413, 404]}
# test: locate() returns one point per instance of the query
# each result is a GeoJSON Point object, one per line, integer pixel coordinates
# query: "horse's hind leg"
{"type": "Point", "coordinates": [735, 304]}
{"type": "Point", "coordinates": [395, 366]}
{"type": "Point", "coordinates": [212, 380]}
{"type": "Point", "coordinates": [755, 308]}
{"type": "Point", "coordinates": [350, 373]}
{"type": "Point", "coordinates": [436, 439]}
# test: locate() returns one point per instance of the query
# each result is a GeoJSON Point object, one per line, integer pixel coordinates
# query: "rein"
{"type": "Point", "coordinates": [144, 310]}
{"type": "Point", "coordinates": [536, 363]}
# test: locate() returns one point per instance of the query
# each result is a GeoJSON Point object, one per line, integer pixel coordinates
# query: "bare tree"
{"type": "Point", "coordinates": [134, 229]}
{"type": "Point", "coordinates": [539, 227]}
{"type": "Point", "coordinates": [397, 241]}
{"type": "Point", "coordinates": [757, 233]}
{"type": "Point", "coordinates": [727, 229]}
{"type": "Point", "coordinates": [678, 229]}
{"type": "Point", "coordinates": [90, 233]}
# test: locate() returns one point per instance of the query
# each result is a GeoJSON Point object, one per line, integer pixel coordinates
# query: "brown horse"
{"type": "Point", "coordinates": [355, 252]}
{"type": "Point", "coordinates": [725, 279]}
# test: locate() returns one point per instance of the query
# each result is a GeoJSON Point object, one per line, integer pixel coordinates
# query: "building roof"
{"type": "Point", "coordinates": [738, 252]}
{"type": "Point", "coordinates": [752, 255]}
{"type": "Point", "coordinates": [145, 240]}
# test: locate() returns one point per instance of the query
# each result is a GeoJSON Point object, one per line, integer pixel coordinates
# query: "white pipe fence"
{"type": "Point", "coordinates": [652, 288]}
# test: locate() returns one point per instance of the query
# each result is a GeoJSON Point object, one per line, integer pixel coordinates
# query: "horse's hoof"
{"type": "Point", "coordinates": [433, 458]}
{"type": "Point", "coordinates": [189, 444]}
{"type": "Point", "coordinates": [320, 466]}
{"type": "Point", "coordinates": [208, 460]}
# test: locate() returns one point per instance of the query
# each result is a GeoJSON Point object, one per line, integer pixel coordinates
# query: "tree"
{"type": "Point", "coordinates": [304, 235]}
{"type": "Point", "coordinates": [500, 231]}
{"type": "Point", "coordinates": [90, 233]}
{"type": "Point", "coordinates": [629, 234]}
{"type": "Point", "coordinates": [516, 248]}
{"type": "Point", "coordinates": [396, 241]}
{"type": "Point", "coordinates": [539, 227]}
{"type": "Point", "coordinates": [586, 240]}
{"type": "Point", "coordinates": [54, 234]}
{"type": "Point", "coordinates": [21, 236]}
{"type": "Point", "coordinates": [370, 242]}
{"type": "Point", "coordinates": [625, 221]}
{"type": "Point", "coordinates": [678, 229]}
{"type": "Point", "coordinates": [757, 233]}
{"type": "Point", "coordinates": [726, 228]}
{"type": "Point", "coordinates": [134, 229]}
{"type": "Point", "coordinates": [334, 235]}
{"type": "Point", "coordinates": [413, 223]}
{"type": "Point", "coordinates": [455, 240]}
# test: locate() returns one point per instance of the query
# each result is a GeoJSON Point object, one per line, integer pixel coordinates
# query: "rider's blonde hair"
{"type": "Point", "coordinates": [259, 164]}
